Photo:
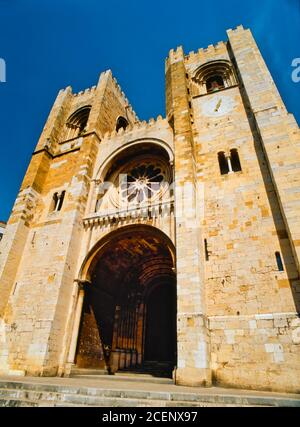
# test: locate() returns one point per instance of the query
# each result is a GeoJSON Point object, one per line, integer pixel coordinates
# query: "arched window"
{"type": "Point", "coordinates": [235, 160]}
{"type": "Point", "coordinates": [121, 123]}
{"type": "Point", "coordinates": [57, 201]}
{"type": "Point", "coordinates": [223, 163]}
{"type": "Point", "coordinates": [214, 83]}
{"type": "Point", "coordinates": [229, 164]}
{"type": "Point", "coordinates": [76, 124]}
{"type": "Point", "coordinates": [214, 76]}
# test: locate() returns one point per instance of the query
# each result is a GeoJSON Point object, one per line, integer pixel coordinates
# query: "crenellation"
{"type": "Point", "coordinates": [239, 28]}
{"type": "Point", "coordinates": [211, 53]}
{"type": "Point", "coordinates": [138, 127]}
{"type": "Point", "coordinates": [210, 49]}
{"type": "Point", "coordinates": [175, 55]}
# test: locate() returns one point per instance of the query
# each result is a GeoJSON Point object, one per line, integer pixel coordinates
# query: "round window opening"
{"type": "Point", "coordinates": [142, 182]}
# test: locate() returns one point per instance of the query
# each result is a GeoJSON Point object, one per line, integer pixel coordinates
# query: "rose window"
{"type": "Point", "coordinates": [142, 183]}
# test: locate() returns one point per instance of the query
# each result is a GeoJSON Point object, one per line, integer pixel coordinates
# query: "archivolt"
{"type": "Point", "coordinates": [121, 151]}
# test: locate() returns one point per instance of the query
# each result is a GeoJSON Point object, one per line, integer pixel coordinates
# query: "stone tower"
{"type": "Point", "coordinates": [171, 245]}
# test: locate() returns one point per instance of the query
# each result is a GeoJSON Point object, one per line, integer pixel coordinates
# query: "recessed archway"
{"type": "Point", "coordinates": [129, 312]}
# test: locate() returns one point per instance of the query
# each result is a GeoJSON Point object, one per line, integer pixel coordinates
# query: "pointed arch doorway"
{"type": "Point", "coordinates": [128, 319]}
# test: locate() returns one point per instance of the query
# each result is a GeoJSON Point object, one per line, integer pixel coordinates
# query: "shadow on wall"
{"type": "Point", "coordinates": [285, 246]}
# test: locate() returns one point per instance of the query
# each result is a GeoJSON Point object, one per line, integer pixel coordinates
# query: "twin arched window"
{"type": "Point", "coordinates": [77, 122]}
{"type": "Point", "coordinates": [229, 164]}
{"type": "Point", "coordinates": [57, 201]}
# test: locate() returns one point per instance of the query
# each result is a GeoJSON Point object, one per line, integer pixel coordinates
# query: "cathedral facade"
{"type": "Point", "coordinates": [172, 244]}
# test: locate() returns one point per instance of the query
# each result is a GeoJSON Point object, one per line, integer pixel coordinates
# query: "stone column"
{"type": "Point", "coordinates": [229, 164]}
{"type": "Point", "coordinates": [76, 326]}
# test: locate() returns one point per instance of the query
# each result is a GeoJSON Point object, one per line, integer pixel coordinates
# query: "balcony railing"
{"type": "Point", "coordinates": [150, 210]}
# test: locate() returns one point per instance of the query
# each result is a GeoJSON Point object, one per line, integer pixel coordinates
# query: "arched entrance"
{"type": "Point", "coordinates": [129, 312]}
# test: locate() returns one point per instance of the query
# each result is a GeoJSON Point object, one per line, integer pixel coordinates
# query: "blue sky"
{"type": "Point", "coordinates": [50, 44]}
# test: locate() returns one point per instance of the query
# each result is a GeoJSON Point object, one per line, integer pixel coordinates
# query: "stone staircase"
{"type": "Point", "coordinates": [29, 392]}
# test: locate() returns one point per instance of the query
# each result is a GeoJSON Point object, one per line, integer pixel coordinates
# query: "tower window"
{"type": "Point", "coordinates": [214, 76]}
{"type": "Point", "coordinates": [57, 201]}
{"type": "Point", "coordinates": [229, 164]}
{"type": "Point", "coordinates": [77, 122]}
{"type": "Point", "coordinates": [1, 235]}
{"type": "Point", "coordinates": [121, 123]}
{"type": "Point", "coordinates": [214, 83]}
{"type": "Point", "coordinates": [279, 261]}
{"type": "Point", "coordinates": [223, 163]}
{"type": "Point", "coordinates": [235, 160]}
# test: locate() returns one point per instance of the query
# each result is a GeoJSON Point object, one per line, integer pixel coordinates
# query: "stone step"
{"type": "Point", "coordinates": [83, 371]}
{"type": "Point", "coordinates": [25, 398]}
{"type": "Point", "coordinates": [145, 380]}
{"type": "Point", "coordinates": [18, 393]}
{"type": "Point", "coordinates": [126, 403]}
{"type": "Point", "coordinates": [146, 375]}
{"type": "Point", "coordinates": [120, 376]}
{"type": "Point", "coordinates": [11, 403]}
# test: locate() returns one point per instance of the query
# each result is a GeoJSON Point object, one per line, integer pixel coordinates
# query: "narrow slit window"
{"type": "Point", "coordinates": [206, 250]}
{"type": "Point", "coordinates": [235, 160]}
{"type": "Point", "coordinates": [279, 261]}
{"type": "Point", "coordinates": [223, 163]}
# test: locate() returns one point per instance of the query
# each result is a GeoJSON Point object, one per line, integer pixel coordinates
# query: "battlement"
{"type": "Point", "coordinates": [138, 127]}
{"type": "Point", "coordinates": [211, 49]}
{"type": "Point", "coordinates": [92, 90]}
{"type": "Point", "coordinates": [220, 48]}
{"type": "Point", "coordinates": [175, 55]}
{"type": "Point", "coordinates": [237, 29]}
{"type": "Point", "coordinates": [203, 54]}
{"type": "Point", "coordinates": [87, 91]}
{"type": "Point", "coordinates": [209, 53]}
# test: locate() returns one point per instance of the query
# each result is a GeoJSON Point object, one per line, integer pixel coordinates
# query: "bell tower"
{"type": "Point", "coordinates": [238, 259]}
{"type": "Point", "coordinates": [39, 255]}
